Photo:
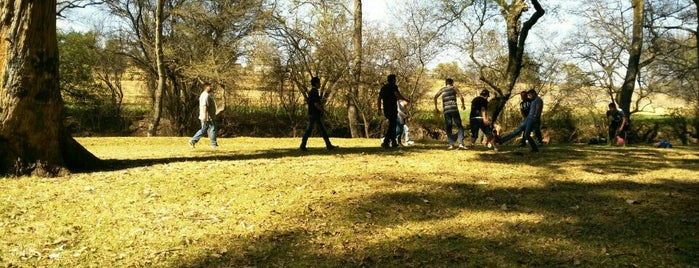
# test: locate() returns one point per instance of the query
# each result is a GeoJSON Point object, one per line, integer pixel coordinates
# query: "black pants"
{"type": "Point", "coordinates": [391, 131]}
{"type": "Point", "coordinates": [613, 127]}
{"type": "Point", "coordinates": [315, 120]}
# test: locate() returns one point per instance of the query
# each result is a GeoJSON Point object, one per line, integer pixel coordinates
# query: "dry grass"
{"type": "Point", "coordinates": [261, 202]}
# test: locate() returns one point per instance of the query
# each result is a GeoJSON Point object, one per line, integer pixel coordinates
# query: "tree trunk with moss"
{"type": "Point", "coordinates": [33, 140]}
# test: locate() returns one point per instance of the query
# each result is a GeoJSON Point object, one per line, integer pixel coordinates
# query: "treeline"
{"type": "Point", "coordinates": [274, 47]}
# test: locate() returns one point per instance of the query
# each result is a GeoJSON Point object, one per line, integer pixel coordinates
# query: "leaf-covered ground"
{"type": "Point", "coordinates": [261, 202]}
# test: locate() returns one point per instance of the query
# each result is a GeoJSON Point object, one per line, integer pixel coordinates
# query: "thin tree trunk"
{"type": "Point", "coordinates": [634, 57]}
{"type": "Point", "coordinates": [354, 91]}
{"type": "Point", "coordinates": [33, 140]}
{"type": "Point", "coordinates": [158, 100]}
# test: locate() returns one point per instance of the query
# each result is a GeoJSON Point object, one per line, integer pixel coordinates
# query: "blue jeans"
{"type": "Point", "coordinates": [399, 129]}
{"type": "Point", "coordinates": [525, 127]}
{"type": "Point", "coordinates": [454, 118]}
{"type": "Point", "coordinates": [206, 126]}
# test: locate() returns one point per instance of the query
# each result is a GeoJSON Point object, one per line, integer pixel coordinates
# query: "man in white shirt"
{"type": "Point", "coordinates": [207, 113]}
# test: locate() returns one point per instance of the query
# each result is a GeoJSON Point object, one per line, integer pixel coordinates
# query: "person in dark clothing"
{"type": "Point", "coordinates": [390, 95]}
{"type": "Point", "coordinates": [452, 117]}
{"type": "Point", "coordinates": [618, 123]}
{"type": "Point", "coordinates": [316, 110]}
{"type": "Point", "coordinates": [479, 119]}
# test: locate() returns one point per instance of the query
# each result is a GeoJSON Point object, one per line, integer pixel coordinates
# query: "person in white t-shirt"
{"type": "Point", "coordinates": [207, 113]}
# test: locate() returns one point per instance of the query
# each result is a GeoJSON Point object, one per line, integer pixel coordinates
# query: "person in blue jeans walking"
{"type": "Point", "coordinates": [207, 115]}
{"type": "Point", "coordinates": [451, 112]}
{"type": "Point", "coordinates": [532, 120]}
{"type": "Point", "coordinates": [401, 126]}
{"type": "Point", "coordinates": [316, 109]}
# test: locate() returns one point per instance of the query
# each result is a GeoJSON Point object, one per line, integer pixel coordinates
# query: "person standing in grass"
{"type": "Point", "coordinates": [524, 106]}
{"type": "Point", "coordinates": [451, 112]}
{"type": "Point", "coordinates": [532, 120]}
{"type": "Point", "coordinates": [479, 119]}
{"type": "Point", "coordinates": [402, 126]}
{"type": "Point", "coordinates": [390, 96]}
{"type": "Point", "coordinates": [207, 114]}
{"type": "Point", "coordinates": [618, 124]}
{"type": "Point", "coordinates": [316, 109]}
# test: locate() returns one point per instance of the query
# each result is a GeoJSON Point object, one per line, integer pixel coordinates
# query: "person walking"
{"type": "Point", "coordinates": [402, 123]}
{"type": "Point", "coordinates": [618, 123]}
{"type": "Point", "coordinates": [452, 117]}
{"type": "Point", "coordinates": [207, 114]}
{"type": "Point", "coordinates": [524, 107]}
{"type": "Point", "coordinates": [479, 119]}
{"type": "Point", "coordinates": [316, 109]}
{"type": "Point", "coordinates": [390, 95]}
{"type": "Point", "coordinates": [524, 111]}
{"type": "Point", "coordinates": [533, 117]}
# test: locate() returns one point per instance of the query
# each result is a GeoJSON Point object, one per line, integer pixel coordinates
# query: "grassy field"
{"type": "Point", "coordinates": [263, 203]}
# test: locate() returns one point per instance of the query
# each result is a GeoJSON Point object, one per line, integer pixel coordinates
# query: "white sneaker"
{"type": "Point", "coordinates": [450, 147]}
{"type": "Point", "coordinates": [462, 147]}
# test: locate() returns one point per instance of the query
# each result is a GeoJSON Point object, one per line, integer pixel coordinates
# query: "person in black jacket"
{"type": "Point", "coordinates": [390, 95]}
{"type": "Point", "coordinates": [316, 110]}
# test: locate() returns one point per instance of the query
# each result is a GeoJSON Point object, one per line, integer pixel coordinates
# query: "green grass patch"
{"type": "Point", "coordinates": [262, 202]}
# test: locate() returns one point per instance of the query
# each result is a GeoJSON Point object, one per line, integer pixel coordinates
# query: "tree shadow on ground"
{"type": "Point", "coordinates": [616, 223]}
{"type": "Point", "coordinates": [120, 164]}
{"type": "Point", "coordinates": [595, 159]}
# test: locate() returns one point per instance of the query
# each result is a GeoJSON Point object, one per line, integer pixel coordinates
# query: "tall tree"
{"type": "Point", "coordinates": [480, 37]}
{"type": "Point", "coordinates": [160, 66]}
{"type": "Point", "coordinates": [33, 139]}
{"type": "Point", "coordinates": [635, 51]}
{"type": "Point", "coordinates": [357, 72]}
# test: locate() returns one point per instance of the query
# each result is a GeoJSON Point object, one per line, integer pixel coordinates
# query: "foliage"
{"type": "Point", "coordinates": [90, 78]}
{"type": "Point", "coordinates": [203, 41]}
{"type": "Point", "coordinates": [450, 70]}
{"type": "Point", "coordinates": [77, 63]}
{"type": "Point", "coordinates": [260, 202]}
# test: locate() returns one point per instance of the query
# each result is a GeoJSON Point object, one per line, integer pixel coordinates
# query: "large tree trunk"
{"type": "Point", "coordinates": [158, 100]}
{"type": "Point", "coordinates": [352, 113]}
{"type": "Point", "coordinates": [634, 57]}
{"type": "Point", "coordinates": [33, 140]}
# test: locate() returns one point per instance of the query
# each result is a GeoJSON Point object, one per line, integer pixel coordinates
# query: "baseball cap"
{"type": "Point", "coordinates": [485, 93]}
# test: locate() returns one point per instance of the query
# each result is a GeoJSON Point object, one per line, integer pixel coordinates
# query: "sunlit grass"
{"type": "Point", "coordinates": [262, 202]}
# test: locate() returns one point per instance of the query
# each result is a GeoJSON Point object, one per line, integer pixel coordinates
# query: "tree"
{"type": "Point", "coordinates": [202, 42]}
{"type": "Point", "coordinates": [90, 77]}
{"type": "Point", "coordinates": [676, 26]}
{"type": "Point", "coordinates": [313, 40]}
{"type": "Point", "coordinates": [475, 17]}
{"type": "Point", "coordinates": [356, 71]}
{"type": "Point", "coordinates": [33, 139]}
{"type": "Point", "coordinates": [160, 67]}
{"type": "Point", "coordinates": [633, 67]}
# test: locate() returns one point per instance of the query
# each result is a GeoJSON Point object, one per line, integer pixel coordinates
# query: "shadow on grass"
{"type": "Point", "coordinates": [119, 164]}
{"type": "Point", "coordinates": [616, 223]}
{"type": "Point", "coordinates": [595, 159]}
